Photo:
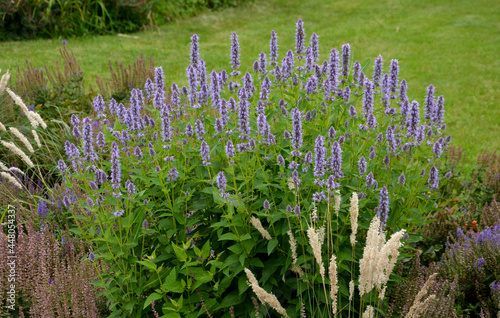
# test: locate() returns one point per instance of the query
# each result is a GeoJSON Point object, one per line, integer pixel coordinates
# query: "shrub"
{"type": "Point", "coordinates": [27, 19]}
{"type": "Point", "coordinates": [181, 198]}
{"type": "Point", "coordinates": [474, 257]}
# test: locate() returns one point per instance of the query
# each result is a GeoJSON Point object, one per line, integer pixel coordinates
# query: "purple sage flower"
{"type": "Point", "coordinates": [402, 179]}
{"type": "Point", "coordinates": [195, 50]}
{"type": "Point", "coordinates": [118, 213]}
{"type": "Point", "coordinates": [429, 102]}
{"type": "Point", "coordinates": [337, 160]}
{"type": "Point", "coordinates": [266, 205]}
{"type": "Point", "coordinates": [221, 181]}
{"type": "Point", "coordinates": [319, 156]}
{"type": "Point", "coordinates": [433, 178]}
{"type": "Point", "coordinates": [297, 137]}
{"type": "Point", "coordinates": [377, 73]}
{"type": "Point", "coordinates": [235, 54]}
{"type": "Point", "coordinates": [439, 110]}
{"type": "Point", "coordinates": [299, 39]}
{"type": "Point", "coordinates": [362, 166]}
{"type": "Point", "coordinates": [315, 47]}
{"type": "Point", "coordinates": [393, 82]}
{"type": "Point", "coordinates": [413, 119]}
{"type": "Point", "coordinates": [229, 149]}
{"type": "Point", "coordinates": [273, 49]}
{"type": "Point", "coordinates": [383, 207]}
{"type": "Point", "coordinates": [346, 54]}
{"type": "Point", "coordinates": [205, 153]}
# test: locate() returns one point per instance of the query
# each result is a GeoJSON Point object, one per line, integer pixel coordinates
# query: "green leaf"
{"type": "Point", "coordinates": [171, 284]}
{"type": "Point", "coordinates": [180, 253]}
{"type": "Point", "coordinates": [228, 236]}
{"type": "Point", "coordinates": [271, 246]}
{"type": "Point", "coordinates": [153, 296]}
{"type": "Point", "coordinates": [149, 264]}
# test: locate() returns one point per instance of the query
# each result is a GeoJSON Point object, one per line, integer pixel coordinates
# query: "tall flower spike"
{"type": "Point", "coordinates": [221, 181]}
{"type": "Point", "coordinates": [205, 153]}
{"type": "Point", "coordinates": [356, 68]}
{"type": "Point", "coordinates": [333, 76]}
{"type": "Point", "coordinates": [195, 50]}
{"type": "Point", "coordinates": [413, 120]}
{"type": "Point", "coordinates": [362, 165]}
{"type": "Point", "coordinates": [429, 102]}
{"type": "Point", "coordinates": [235, 54]}
{"type": "Point", "coordinates": [299, 39]}
{"type": "Point", "coordinates": [115, 166]}
{"type": "Point", "coordinates": [354, 212]}
{"type": "Point", "coordinates": [439, 110]}
{"type": "Point", "coordinates": [273, 49]}
{"type": "Point", "coordinates": [377, 72]}
{"type": "Point", "coordinates": [160, 78]}
{"type": "Point", "coordinates": [315, 47]}
{"type": "Point", "coordinates": [383, 207]}
{"type": "Point", "coordinates": [262, 63]}
{"type": "Point", "coordinates": [346, 54]}
{"type": "Point", "coordinates": [433, 178]}
{"type": "Point", "coordinates": [296, 132]}
{"type": "Point", "coordinates": [368, 98]}
{"type": "Point", "coordinates": [229, 149]}
{"type": "Point", "coordinates": [393, 82]}
{"type": "Point", "coordinates": [319, 156]}
{"type": "Point", "coordinates": [403, 89]}
{"type": "Point", "coordinates": [337, 160]}
{"type": "Point", "coordinates": [193, 85]}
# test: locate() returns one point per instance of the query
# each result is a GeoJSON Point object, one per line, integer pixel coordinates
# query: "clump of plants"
{"type": "Point", "coordinates": [288, 176]}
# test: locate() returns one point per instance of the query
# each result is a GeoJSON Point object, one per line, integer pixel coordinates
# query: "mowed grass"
{"type": "Point", "coordinates": [454, 45]}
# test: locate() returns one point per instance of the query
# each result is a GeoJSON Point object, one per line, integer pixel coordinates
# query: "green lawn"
{"type": "Point", "coordinates": [454, 45]}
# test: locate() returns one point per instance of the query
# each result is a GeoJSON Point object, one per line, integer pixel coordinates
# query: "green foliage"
{"type": "Point", "coordinates": [26, 19]}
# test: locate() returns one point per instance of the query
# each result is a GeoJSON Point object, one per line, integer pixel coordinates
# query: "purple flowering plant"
{"type": "Point", "coordinates": [218, 157]}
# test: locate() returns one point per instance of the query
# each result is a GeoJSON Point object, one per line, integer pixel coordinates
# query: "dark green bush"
{"type": "Point", "coordinates": [27, 19]}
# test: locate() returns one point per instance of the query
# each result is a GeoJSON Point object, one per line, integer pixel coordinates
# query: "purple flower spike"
{"type": "Point", "coordinates": [160, 78]}
{"type": "Point", "coordinates": [195, 50]}
{"type": "Point", "coordinates": [99, 104]}
{"type": "Point", "coordinates": [439, 110]}
{"type": "Point", "coordinates": [42, 209]}
{"type": "Point", "coordinates": [433, 178]}
{"type": "Point", "coordinates": [356, 69]}
{"type": "Point", "coordinates": [149, 87]}
{"type": "Point", "coordinates": [315, 47]}
{"type": "Point", "coordinates": [346, 54]}
{"type": "Point", "coordinates": [229, 149]}
{"type": "Point", "coordinates": [319, 156]}
{"type": "Point", "coordinates": [262, 62]}
{"type": "Point", "coordinates": [173, 174]}
{"type": "Point", "coordinates": [88, 147]}
{"type": "Point", "coordinates": [368, 98]}
{"type": "Point", "coordinates": [333, 76]}
{"type": "Point", "coordinates": [402, 179]}
{"type": "Point", "coordinates": [193, 85]}
{"type": "Point", "coordinates": [370, 180]}
{"type": "Point", "coordinates": [289, 208]}
{"type": "Point", "coordinates": [393, 82]}
{"type": "Point", "coordinates": [403, 89]}
{"type": "Point", "coordinates": [280, 160]}
{"type": "Point", "coordinates": [115, 166]}
{"type": "Point", "coordinates": [309, 59]}
{"type": "Point", "coordinates": [74, 120]}
{"type": "Point", "coordinates": [189, 130]}
{"type": "Point", "coordinates": [61, 166]}
{"type": "Point", "coordinates": [205, 153]}
{"type": "Point", "coordinates": [235, 54]}
{"type": "Point", "coordinates": [429, 102]}
{"type": "Point", "coordinates": [299, 39]}
{"type": "Point", "coordinates": [130, 187]}
{"type": "Point", "coordinates": [383, 207]}
{"type": "Point", "coordinates": [448, 175]}
{"type": "Point", "coordinates": [91, 257]}
{"type": "Point", "coordinates": [377, 73]}
{"type": "Point", "coordinates": [118, 213]}
{"type": "Point", "coordinates": [337, 160]}
{"type": "Point", "coordinates": [221, 181]}
{"type": "Point", "coordinates": [274, 48]}
{"type": "Point", "coordinates": [145, 224]}
{"type": "Point", "coordinates": [352, 111]}
{"type": "Point", "coordinates": [413, 119]}
{"type": "Point", "coordinates": [362, 166]}
{"type": "Point", "coordinates": [199, 129]}
{"type": "Point", "coordinates": [296, 210]}
{"type": "Point", "coordinates": [266, 205]}
{"type": "Point", "coordinates": [437, 149]}
{"type": "Point", "coordinates": [296, 132]}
